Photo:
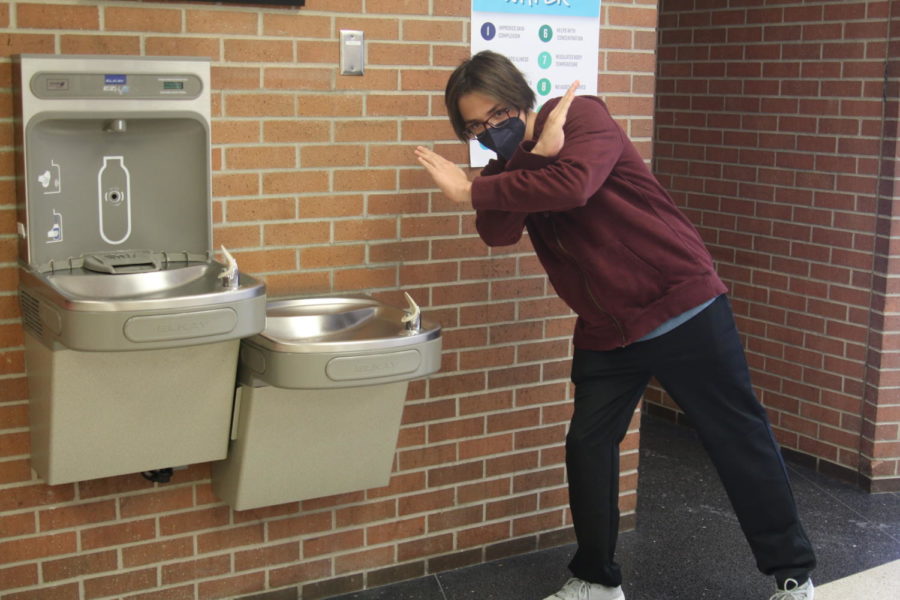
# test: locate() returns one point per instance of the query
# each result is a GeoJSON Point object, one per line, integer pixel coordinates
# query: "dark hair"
{"type": "Point", "coordinates": [491, 74]}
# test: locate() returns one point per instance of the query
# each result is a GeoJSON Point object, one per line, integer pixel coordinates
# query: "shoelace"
{"type": "Point", "coordinates": [574, 589]}
{"type": "Point", "coordinates": [791, 591]}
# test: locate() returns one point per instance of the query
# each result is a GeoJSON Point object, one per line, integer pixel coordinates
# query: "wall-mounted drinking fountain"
{"type": "Point", "coordinates": [320, 399]}
{"type": "Point", "coordinates": [132, 332]}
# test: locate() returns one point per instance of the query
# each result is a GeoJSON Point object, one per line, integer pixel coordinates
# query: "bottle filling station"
{"type": "Point", "coordinates": [132, 329]}
{"type": "Point", "coordinates": [136, 339]}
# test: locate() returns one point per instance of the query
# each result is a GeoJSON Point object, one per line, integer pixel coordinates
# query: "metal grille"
{"type": "Point", "coordinates": [31, 314]}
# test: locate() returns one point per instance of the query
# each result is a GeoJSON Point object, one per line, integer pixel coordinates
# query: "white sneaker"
{"type": "Point", "coordinates": [792, 591]}
{"type": "Point", "coordinates": [578, 589]}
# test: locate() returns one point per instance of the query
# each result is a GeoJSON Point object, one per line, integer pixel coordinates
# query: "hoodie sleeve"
{"type": "Point", "coordinates": [530, 183]}
{"type": "Point", "coordinates": [498, 227]}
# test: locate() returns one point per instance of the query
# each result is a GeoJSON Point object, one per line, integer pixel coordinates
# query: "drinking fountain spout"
{"type": "Point", "coordinates": [413, 316]}
{"type": "Point", "coordinates": [229, 275]}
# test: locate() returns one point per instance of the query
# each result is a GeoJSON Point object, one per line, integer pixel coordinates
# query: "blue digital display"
{"type": "Point", "coordinates": [112, 79]}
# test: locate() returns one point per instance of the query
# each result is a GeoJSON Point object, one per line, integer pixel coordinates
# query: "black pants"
{"type": "Point", "coordinates": [701, 365]}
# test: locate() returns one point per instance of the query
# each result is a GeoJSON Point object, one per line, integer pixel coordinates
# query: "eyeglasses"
{"type": "Point", "coordinates": [499, 119]}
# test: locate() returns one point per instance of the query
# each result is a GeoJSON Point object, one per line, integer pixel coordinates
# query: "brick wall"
{"type": "Point", "coordinates": [777, 133]}
{"type": "Point", "coordinates": [316, 191]}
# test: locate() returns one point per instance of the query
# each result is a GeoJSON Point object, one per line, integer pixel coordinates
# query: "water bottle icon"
{"type": "Point", "coordinates": [55, 233]}
{"type": "Point", "coordinates": [114, 199]}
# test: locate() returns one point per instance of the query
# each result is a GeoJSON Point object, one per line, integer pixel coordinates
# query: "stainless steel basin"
{"type": "Point", "coordinates": [337, 341]}
{"type": "Point", "coordinates": [338, 324]}
{"type": "Point", "coordinates": [181, 304]}
{"type": "Point", "coordinates": [190, 280]}
{"type": "Point", "coordinates": [176, 286]}
{"type": "Point", "coordinates": [169, 283]}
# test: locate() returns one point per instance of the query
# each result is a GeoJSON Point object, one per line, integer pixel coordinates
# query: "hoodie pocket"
{"type": "Point", "coordinates": [625, 274]}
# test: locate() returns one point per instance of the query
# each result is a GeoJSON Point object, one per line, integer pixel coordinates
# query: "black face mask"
{"type": "Point", "coordinates": [504, 139]}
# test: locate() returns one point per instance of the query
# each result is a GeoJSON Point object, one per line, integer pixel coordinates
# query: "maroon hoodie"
{"type": "Point", "coordinates": [614, 245]}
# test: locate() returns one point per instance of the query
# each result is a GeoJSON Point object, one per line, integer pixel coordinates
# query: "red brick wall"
{"type": "Point", "coordinates": [772, 132]}
{"type": "Point", "coordinates": [316, 190]}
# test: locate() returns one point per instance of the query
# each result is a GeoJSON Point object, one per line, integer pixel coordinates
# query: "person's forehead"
{"type": "Point", "coordinates": [476, 106]}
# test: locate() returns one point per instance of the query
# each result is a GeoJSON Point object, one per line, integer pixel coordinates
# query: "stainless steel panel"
{"type": "Point", "coordinates": [181, 326]}
{"type": "Point", "coordinates": [373, 366]}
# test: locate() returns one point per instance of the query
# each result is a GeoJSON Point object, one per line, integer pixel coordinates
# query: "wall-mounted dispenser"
{"type": "Point", "coordinates": [131, 332]}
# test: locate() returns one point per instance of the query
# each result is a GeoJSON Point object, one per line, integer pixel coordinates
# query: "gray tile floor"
{"type": "Point", "coordinates": [687, 544]}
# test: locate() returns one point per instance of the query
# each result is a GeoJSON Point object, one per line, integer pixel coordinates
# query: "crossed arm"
{"type": "Point", "coordinates": [455, 183]}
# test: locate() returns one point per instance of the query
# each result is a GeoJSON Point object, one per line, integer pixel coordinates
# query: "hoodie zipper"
{"type": "Point", "coordinates": [585, 280]}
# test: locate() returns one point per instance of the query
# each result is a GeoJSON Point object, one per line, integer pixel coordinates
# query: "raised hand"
{"type": "Point", "coordinates": [552, 137]}
{"type": "Point", "coordinates": [452, 180]}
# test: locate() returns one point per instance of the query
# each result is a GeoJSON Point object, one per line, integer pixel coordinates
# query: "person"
{"type": "Point", "coordinates": [648, 302]}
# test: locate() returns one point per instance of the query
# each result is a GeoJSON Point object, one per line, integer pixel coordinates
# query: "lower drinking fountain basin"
{"type": "Point", "coordinates": [337, 341]}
